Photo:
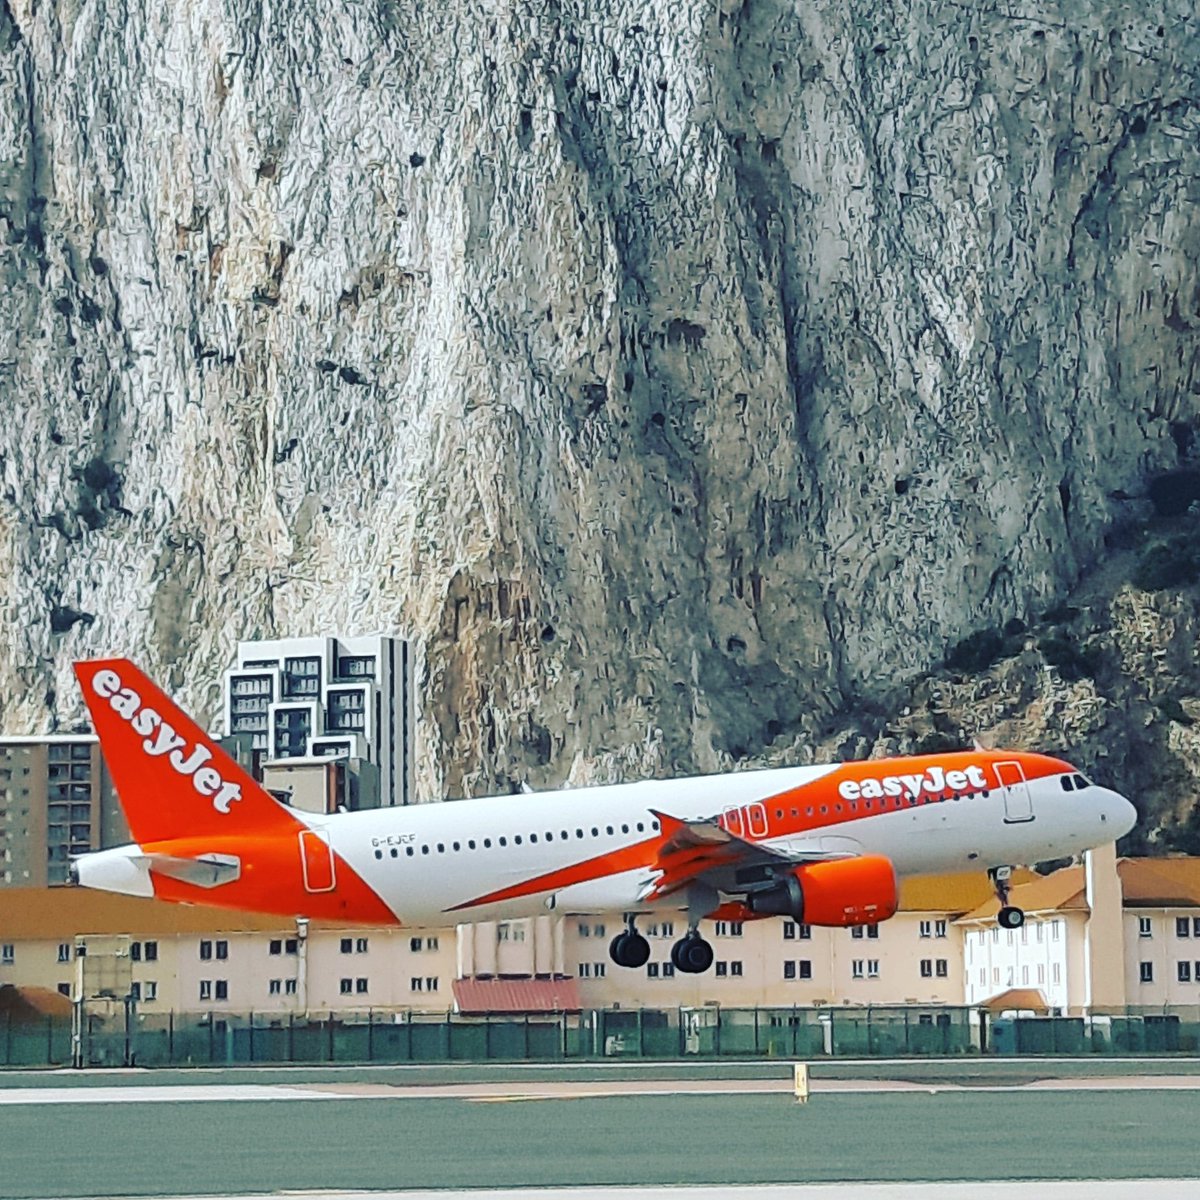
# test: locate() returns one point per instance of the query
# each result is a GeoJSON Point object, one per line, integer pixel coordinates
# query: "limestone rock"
{"type": "Point", "coordinates": [678, 376]}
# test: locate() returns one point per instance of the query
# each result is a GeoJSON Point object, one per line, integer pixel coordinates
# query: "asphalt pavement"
{"type": "Point", "coordinates": [132, 1147]}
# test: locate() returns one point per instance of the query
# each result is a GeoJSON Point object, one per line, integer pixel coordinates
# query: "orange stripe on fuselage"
{"type": "Point", "coordinates": [818, 805]}
{"type": "Point", "coordinates": [272, 881]}
{"type": "Point", "coordinates": [613, 862]}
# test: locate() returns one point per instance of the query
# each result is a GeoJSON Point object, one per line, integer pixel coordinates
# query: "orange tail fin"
{"type": "Point", "coordinates": [173, 780]}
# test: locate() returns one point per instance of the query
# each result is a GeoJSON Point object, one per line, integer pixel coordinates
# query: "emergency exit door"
{"type": "Point", "coordinates": [316, 861]}
{"type": "Point", "coordinates": [1018, 801]}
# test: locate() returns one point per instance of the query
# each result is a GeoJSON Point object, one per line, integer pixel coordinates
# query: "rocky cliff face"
{"type": "Point", "coordinates": [678, 375]}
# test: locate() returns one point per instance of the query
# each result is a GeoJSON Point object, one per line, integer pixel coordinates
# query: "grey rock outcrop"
{"type": "Point", "coordinates": [677, 374]}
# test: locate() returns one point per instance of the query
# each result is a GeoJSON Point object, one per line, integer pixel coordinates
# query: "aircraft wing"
{"type": "Point", "coordinates": [694, 850]}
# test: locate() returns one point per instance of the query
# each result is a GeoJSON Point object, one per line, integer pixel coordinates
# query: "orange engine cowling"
{"type": "Point", "coordinates": [844, 891]}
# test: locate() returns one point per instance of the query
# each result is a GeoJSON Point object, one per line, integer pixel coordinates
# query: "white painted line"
{"type": "Point", "coordinates": [149, 1095]}
{"type": "Point", "coordinates": [1090, 1189]}
{"type": "Point", "coordinates": [562, 1090]}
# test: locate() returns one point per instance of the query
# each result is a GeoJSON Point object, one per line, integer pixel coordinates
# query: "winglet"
{"type": "Point", "coordinates": [679, 834]}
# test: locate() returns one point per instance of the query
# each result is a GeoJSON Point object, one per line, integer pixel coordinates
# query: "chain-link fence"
{"type": "Point", "coordinates": [116, 1038]}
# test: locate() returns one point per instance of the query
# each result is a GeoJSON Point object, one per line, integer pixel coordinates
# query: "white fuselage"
{"type": "Point", "coordinates": [431, 863]}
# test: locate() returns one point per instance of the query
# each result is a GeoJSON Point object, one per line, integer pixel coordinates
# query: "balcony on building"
{"type": "Point", "coordinates": [292, 724]}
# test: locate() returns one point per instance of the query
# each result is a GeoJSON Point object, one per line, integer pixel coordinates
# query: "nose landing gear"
{"type": "Point", "coordinates": [629, 948]}
{"type": "Point", "coordinates": [1009, 916]}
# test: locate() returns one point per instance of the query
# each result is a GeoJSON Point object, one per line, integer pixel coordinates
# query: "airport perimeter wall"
{"type": "Point", "coordinates": [212, 1039]}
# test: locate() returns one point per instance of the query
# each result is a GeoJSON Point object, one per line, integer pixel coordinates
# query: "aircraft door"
{"type": "Point", "coordinates": [316, 861]}
{"type": "Point", "coordinates": [1018, 801]}
{"type": "Point", "coordinates": [747, 822]}
{"type": "Point", "coordinates": [756, 820]}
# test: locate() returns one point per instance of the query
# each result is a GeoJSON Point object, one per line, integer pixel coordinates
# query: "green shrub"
{"type": "Point", "coordinates": [1184, 836]}
{"type": "Point", "coordinates": [1174, 563]}
{"type": "Point", "coordinates": [1174, 711]}
{"type": "Point", "coordinates": [1060, 614]}
{"type": "Point", "coordinates": [977, 651]}
{"type": "Point", "coordinates": [1072, 660]}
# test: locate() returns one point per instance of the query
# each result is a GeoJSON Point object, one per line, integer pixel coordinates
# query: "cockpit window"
{"type": "Point", "coordinates": [1080, 782]}
{"type": "Point", "coordinates": [1068, 783]}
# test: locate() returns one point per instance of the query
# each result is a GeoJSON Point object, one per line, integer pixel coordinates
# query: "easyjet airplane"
{"type": "Point", "coordinates": [823, 845]}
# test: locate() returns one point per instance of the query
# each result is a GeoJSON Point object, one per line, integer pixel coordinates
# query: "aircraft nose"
{"type": "Point", "coordinates": [1121, 814]}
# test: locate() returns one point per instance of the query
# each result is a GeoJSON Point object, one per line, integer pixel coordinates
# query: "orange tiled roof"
{"type": "Point", "coordinates": [64, 912]}
{"type": "Point", "coordinates": [1150, 882]}
{"type": "Point", "coordinates": [1027, 999]}
{"type": "Point", "coordinates": [950, 893]}
{"type": "Point", "coordinates": [475, 995]}
{"type": "Point", "coordinates": [25, 1004]}
{"type": "Point", "coordinates": [1064, 889]}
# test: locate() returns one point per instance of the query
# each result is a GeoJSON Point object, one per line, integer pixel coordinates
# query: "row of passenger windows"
{"type": "Point", "coordinates": [518, 839]}
{"type": "Point", "coordinates": [884, 803]}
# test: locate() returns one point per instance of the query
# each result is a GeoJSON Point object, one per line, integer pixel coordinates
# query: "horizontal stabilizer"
{"type": "Point", "coordinates": [205, 871]}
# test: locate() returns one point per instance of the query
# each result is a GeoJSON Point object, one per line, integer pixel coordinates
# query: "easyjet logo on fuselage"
{"type": "Point", "coordinates": [932, 780]}
{"type": "Point", "coordinates": [161, 741]}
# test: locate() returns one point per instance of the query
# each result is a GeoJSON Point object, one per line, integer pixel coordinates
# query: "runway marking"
{"type": "Point", "coordinates": [561, 1090]}
{"type": "Point", "coordinates": [1082, 1189]}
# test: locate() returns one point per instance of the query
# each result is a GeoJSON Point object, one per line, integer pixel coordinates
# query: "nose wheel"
{"type": "Point", "coordinates": [1009, 916]}
{"type": "Point", "coordinates": [629, 948]}
{"type": "Point", "coordinates": [692, 954]}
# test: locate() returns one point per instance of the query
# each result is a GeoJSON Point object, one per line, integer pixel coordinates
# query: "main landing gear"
{"type": "Point", "coordinates": [629, 948]}
{"type": "Point", "coordinates": [692, 954]}
{"type": "Point", "coordinates": [1009, 917]}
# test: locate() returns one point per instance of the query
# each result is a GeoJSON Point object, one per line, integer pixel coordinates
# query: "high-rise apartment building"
{"type": "Point", "coordinates": [56, 800]}
{"type": "Point", "coordinates": [320, 696]}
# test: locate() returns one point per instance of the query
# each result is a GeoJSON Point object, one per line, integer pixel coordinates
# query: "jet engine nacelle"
{"type": "Point", "coordinates": [842, 892]}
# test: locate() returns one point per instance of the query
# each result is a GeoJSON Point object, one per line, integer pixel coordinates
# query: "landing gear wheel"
{"type": "Point", "coordinates": [616, 948]}
{"type": "Point", "coordinates": [692, 955]}
{"type": "Point", "coordinates": [637, 950]}
{"type": "Point", "coordinates": [1010, 918]}
{"type": "Point", "coordinates": [629, 949]}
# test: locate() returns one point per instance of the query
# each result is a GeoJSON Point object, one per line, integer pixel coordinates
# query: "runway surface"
{"type": "Point", "coordinates": [1091, 1189]}
{"type": "Point", "coordinates": [331, 1133]}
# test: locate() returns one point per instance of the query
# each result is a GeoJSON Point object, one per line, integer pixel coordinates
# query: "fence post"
{"type": "Point", "coordinates": [7, 1039]}
{"type": "Point", "coordinates": [127, 1055]}
{"type": "Point", "coordinates": [171, 1036]}
{"type": "Point", "coordinates": [252, 1058]}
{"type": "Point", "coordinates": [757, 1049]}
{"type": "Point", "coordinates": [371, 1035]}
